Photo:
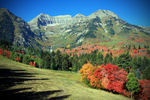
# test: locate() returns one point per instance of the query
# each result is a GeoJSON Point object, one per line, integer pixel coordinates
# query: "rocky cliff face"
{"type": "Point", "coordinates": [107, 20]}
{"type": "Point", "coordinates": [14, 30]}
{"type": "Point", "coordinates": [102, 25]}
{"type": "Point", "coordinates": [46, 20]}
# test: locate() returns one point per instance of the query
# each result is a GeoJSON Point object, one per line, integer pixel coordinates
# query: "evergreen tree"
{"type": "Point", "coordinates": [129, 47]}
{"type": "Point", "coordinates": [132, 84]}
{"type": "Point", "coordinates": [21, 58]}
{"type": "Point", "coordinates": [47, 59]}
{"type": "Point", "coordinates": [146, 73]}
{"type": "Point", "coordinates": [65, 62]}
{"type": "Point", "coordinates": [139, 47]}
{"type": "Point", "coordinates": [74, 61]}
{"type": "Point", "coordinates": [39, 62]}
{"type": "Point", "coordinates": [58, 60]}
{"type": "Point", "coordinates": [26, 59]}
{"type": "Point", "coordinates": [93, 57]}
{"type": "Point", "coordinates": [145, 62]}
{"type": "Point", "coordinates": [145, 46]}
{"type": "Point", "coordinates": [65, 65]}
{"type": "Point", "coordinates": [124, 61]}
{"type": "Point", "coordinates": [115, 60]}
{"type": "Point", "coordinates": [134, 47]}
{"type": "Point", "coordinates": [99, 58]}
{"type": "Point", "coordinates": [108, 59]}
{"type": "Point", "coordinates": [14, 55]}
{"type": "Point", "coordinates": [137, 63]}
{"type": "Point", "coordinates": [134, 63]}
{"type": "Point", "coordinates": [52, 64]}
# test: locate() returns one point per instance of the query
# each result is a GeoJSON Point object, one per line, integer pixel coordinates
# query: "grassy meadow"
{"type": "Point", "coordinates": [20, 81]}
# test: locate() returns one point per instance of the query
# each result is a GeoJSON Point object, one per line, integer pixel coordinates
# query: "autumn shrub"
{"type": "Point", "coordinates": [86, 73]}
{"type": "Point", "coordinates": [94, 81]}
{"type": "Point", "coordinates": [108, 77]}
{"type": "Point", "coordinates": [112, 78]}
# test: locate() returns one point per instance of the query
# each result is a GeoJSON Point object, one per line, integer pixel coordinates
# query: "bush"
{"type": "Point", "coordinates": [86, 72]}
{"type": "Point", "coordinates": [108, 77]}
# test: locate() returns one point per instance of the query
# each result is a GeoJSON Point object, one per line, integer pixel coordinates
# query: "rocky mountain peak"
{"type": "Point", "coordinates": [79, 16]}
{"type": "Point", "coordinates": [103, 13]}
{"type": "Point", "coordinates": [14, 30]}
{"type": "Point", "coordinates": [41, 19]}
{"type": "Point", "coordinates": [4, 10]}
{"type": "Point", "coordinates": [41, 15]}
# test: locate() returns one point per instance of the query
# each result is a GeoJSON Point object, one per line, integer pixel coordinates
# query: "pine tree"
{"type": "Point", "coordinates": [14, 55]}
{"type": "Point", "coordinates": [39, 62]}
{"type": "Point", "coordinates": [132, 84]}
{"type": "Point", "coordinates": [21, 58]}
{"type": "Point", "coordinates": [139, 47]}
{"type": "Point", "coordinates": [65, 65]}
{"type": "Point", "coordinates": [74, 61]}
{"type": "Point", "coordinates": [129, 47]}
{"type": "Point", "coordinates": [134, 63]}
{"type": "Point", "coordinates": [26, 59]}
{"type": "Point", "coordinates": [134, 47]}
{"type": "Point", "coordinates": [52, 63]}
{"type": "Point", "coordinates": [65, 62]}
{"type": "Point", "coordinates": [93, 57]}
{"type": "Point", "coordinates": [146, 73]}
{"type": "Point", "coordinates": [99, 58]}
{"type": "Point", "coordinates": [108, 59]}
{"type": "Point", "coordinates": [47, 59]}
{"type": "Point", "coordinates": [124, 61]}
{"type": "Point", "coordinates": [115, 60]}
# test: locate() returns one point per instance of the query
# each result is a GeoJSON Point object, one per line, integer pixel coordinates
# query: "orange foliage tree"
{"type": "Point", "coordinates": [107, 76]}
{"type": "Point", "coordinates": [86, 72]}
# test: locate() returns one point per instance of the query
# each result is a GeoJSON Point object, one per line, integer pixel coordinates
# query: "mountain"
{"type": "Point", "coordinates": [15, 30]}
{"type": "Point", "coordinates": [100, 26]}
{"type": "Point", "coordinates": [48, 32]}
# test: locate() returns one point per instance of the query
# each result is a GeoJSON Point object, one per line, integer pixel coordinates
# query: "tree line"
{"type": "Point", "coordinates": [58, 61]}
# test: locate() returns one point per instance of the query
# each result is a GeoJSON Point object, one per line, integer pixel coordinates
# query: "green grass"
{"type": "Point", "coordinates": [40, 80]}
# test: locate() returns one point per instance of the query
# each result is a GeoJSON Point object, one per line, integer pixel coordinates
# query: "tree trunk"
{"type": "Point", "coordinates": [131, 95]}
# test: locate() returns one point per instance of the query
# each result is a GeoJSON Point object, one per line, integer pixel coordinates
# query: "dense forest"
{"type": "Point", "coordinates": [56, 60]}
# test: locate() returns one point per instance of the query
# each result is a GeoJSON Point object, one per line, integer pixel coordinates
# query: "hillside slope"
{"type": "Point", "coordinates": [20, 81]}
{"type": "Point", "coordinates": [15, 30]}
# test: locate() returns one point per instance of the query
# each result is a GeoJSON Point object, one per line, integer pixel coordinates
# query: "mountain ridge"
{"type": "Point", "coordinates": [15, 30]}
{"type": "Point", "coordinates": [77, 30]}
{"type": "Point", "coordinates": [47, 31]}
{"type": "Point", "coordinates": [100, 13]}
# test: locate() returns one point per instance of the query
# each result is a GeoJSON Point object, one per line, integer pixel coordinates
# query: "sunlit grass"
{"type": "Point", "coordinates": [68, 82]}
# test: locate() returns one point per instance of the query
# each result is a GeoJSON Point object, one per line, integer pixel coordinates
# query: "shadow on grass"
{"type": "Point", "coordinates": [9, 78]}
{"type": "Point", "coordinates": [16, 95]}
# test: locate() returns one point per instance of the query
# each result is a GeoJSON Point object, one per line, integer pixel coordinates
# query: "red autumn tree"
{"type": "Point", "coordinates": [31, 63]}
{"type": "Point", "coordinates": [144, 93]}
{"type": "Point", "coordinates": [1, 51]}
{"type": "Point", "coordinates": [108, 77]}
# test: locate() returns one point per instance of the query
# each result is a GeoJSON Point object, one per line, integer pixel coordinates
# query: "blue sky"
{"type": "Point", "coordinates": [133, 11]}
